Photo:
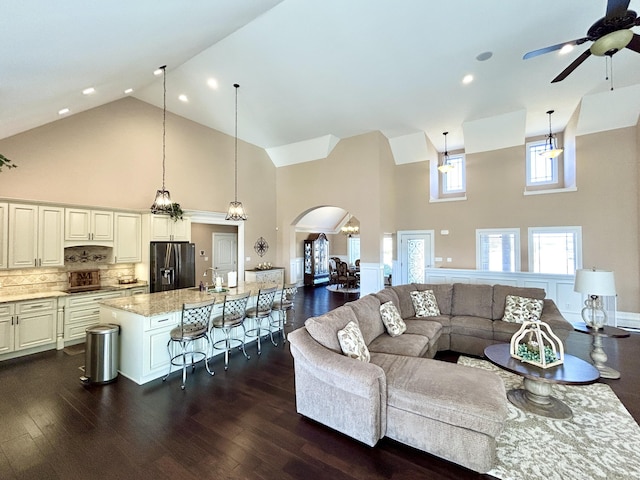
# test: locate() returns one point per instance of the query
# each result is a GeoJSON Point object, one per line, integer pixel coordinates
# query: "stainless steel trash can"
{"type": "Point", "coordinates": [101, 354]}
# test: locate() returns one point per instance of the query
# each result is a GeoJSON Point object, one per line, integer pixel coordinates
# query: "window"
{"type": "Point", "coordinates": [353, 249]}
{"type": "Point", "coordinates": [541, 171]}
{"type": "Point", "coordinates": [454, 181]}
{"type": "Point", "coordinates": [555, 250]}
{"type": "Point", "coordinates": [498, 250]}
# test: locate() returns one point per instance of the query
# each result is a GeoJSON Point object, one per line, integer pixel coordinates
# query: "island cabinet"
{"type": "Point", "coordinates": [27, 324]}
{"type": "Point", "coordinates": [146, 320]}
{"type": "Point", "coordinates": [36, 236]}
{"type": "Point", "coordinates": [82, 225]}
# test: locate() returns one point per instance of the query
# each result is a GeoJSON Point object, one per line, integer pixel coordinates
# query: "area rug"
{"type": "Point", "coordinates": [340, 289]}
{"type": "Point", "coordinates": [601, 441]}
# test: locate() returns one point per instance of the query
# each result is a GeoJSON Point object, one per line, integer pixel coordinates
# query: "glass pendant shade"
{"type": "Point", "coordinates": [162, 203]}
{"type": "Point", "coordinates": [236, 211]}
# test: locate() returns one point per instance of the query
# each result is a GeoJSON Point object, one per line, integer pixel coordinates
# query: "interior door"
{"type": "Point", "coordinates": [225, 253]}
{"type": "Point", "coordinates": [415, 253]}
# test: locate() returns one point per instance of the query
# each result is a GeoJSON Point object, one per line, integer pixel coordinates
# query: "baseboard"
{"type": "Point", "coordinates": [628, 319]}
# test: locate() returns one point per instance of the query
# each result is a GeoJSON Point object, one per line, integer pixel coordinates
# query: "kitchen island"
{"type": "Point", "coordinates": [146, 320]}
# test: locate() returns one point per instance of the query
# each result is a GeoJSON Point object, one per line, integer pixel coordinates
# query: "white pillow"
{"type": "Point", "coordinates": [392, 320]}
{"type": "Point", "coordinates": [352, 342]}
{"type": "Point", "coordinates": [520, 309]}
{"type": "Point", "coordinates": [424, 303]}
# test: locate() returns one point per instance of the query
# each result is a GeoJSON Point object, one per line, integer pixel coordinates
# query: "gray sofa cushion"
{"type": "Point", "coordinates": [405, 304]}
{"type": "Point", "coordinates": [472, 326]}
{"type": "Point", "coordinates": [324, 329]}
{"type": "Point", "coordinates": [500, 293]}
{"type": "Point", "coordinates": [443, 293]}
{"type": "Point", "coordinates": [467, 397]}
{"type": "Point", "coordinates": [388, 294]}
{"type": "Point", "coordinates": [472, 300]}
{"type": "Point", "coordinates": [407, 344]}
{"type": "Point", "coordinates": [367, 310]}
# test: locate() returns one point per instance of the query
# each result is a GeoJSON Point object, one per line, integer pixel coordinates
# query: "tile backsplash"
{"type": "Point", "coordinates": [34, 280]}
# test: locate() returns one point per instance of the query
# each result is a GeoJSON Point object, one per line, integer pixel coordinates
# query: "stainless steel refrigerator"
{"type": "Point", "coordinates": [172, 266]}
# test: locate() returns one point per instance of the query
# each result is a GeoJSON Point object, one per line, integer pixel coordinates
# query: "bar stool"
{"type": "Point", "coordinates": [233, 315]}
{"type": "Point", "coordinates": [283, 305]}
{"type": "Point", "coordinates": [262, 310]}
{"type": "Point", "coordinates": [194, 326]}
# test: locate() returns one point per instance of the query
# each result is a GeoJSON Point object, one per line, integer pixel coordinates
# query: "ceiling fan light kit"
{"type": "Point", "coordinates": [611, 43]}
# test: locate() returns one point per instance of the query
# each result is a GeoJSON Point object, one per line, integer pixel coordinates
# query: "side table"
{"type": "Point", "coordinates": [598, 354]}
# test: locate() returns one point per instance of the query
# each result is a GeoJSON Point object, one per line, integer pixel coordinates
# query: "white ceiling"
{"type": "Point", "coordinates": [312, 70]}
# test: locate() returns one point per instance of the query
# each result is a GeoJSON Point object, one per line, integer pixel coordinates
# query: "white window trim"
{"type": "Point", "coordinates": [576, 230]}
{"type": "Point", "coordinates": [529, 183]}
{"type": "Point", "coordinates": [509, 231]}
{"type": "Point", "coordinates": [463, 166]}
{"type": "Point", "coordinates": [435, 180]}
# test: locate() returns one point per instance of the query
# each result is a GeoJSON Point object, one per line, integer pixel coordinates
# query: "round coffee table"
{"type": "Point", "coordinates": [538, 382]}
{"type": "Point", "coordinates": [598, 355]}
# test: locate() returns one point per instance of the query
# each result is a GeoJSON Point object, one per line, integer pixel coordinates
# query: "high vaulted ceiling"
{"type": "Point", "coordinates": [317, 71]}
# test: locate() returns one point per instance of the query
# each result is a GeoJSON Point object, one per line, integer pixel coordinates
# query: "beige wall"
{"type": "Point", "coordinates": [111, 156]}
{"type": "Point", "coordinates": [202, 236]}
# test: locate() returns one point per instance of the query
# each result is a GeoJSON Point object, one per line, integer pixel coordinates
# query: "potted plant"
{"type": "Point", "coordinates": [5, 162]}
{"type": "Point", "coordinates": [175, 212]}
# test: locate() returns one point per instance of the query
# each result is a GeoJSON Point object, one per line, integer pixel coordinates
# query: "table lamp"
{"type": "Point", "coordinates": [595, 284]}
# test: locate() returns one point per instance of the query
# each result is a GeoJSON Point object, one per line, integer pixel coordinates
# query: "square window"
{"type": "Point", "coordinates": [555, 250]}
{"type": "Point", "coordinates": [498, 250]}
{"type": "Point", "coordinates": [541, 170]}
{"type": "Point", "coordinates": [454, 181]}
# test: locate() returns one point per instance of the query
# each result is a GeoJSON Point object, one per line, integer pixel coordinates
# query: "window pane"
{"type": "Point", "coordinates": [354, 249]}
{"type": "Point", "coordinates": [416, 254]}
{"type": "Point", "coordinates": [554, 252]}
{"type": "Point", "coordinates": [454, 180]}
{"type": "Point", "coordinates": [540, 170]}
{"type": "Point", "coordinates": [498, 252]}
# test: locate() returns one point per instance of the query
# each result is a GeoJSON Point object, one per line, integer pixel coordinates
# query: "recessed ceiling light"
{"type": "Point", "coordinates": [63, 111]}
{"type": "Point", "coordinates": [467, 79]}
{"type": "Point", "coordinates": [183, 98]}
{"type": "Point", "coordinates": [566, 49]}
{"type": "Point", "coordinates": [484, 56]}
{"type": "Point", "coordinates": [213, 83]}
{"type": "Point", "coordinates": [88, 91]}
{"type": "Point", "coordinates": [128, 91]}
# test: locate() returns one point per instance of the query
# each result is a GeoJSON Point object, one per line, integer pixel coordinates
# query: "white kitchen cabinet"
{"type": "Point", "coordinates": [36, 236]}
{"type": "Point", "coordinates": [82, 310]}
{"type": "Point", "coordinates": [88, 225]}
{"type": "Point", "coordinates": [4, 235]}
{"type": "Point", "coordinates": [128, 238]}
{"type": "Point", "coordinates": [165, 229]}
{"type": "Point", "coordinates": [27, 324]}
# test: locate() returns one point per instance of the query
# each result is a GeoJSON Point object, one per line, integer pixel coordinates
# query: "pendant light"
{"type": "Point", "coordinates": [162, 204]}
{"type": "Point", "coordinates": [236, 210]}
{"type": "Point", "coordinates": [350, 229]}
{"type": "Point", "coordinates": [446, 167]}
{"type": "Point", "coordinates": [551, 149]}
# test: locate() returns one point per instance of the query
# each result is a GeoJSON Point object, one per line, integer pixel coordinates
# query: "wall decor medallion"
{"type": "Point", "coordinates": [261, 246]}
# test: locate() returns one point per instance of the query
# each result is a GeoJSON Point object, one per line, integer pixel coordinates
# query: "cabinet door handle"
{"type": "Point", "coordinates": [17, 320]}
{"type": "Point", "coordinates": [164, 320]}
{"type": "Point", "coordinates": [12, 320]}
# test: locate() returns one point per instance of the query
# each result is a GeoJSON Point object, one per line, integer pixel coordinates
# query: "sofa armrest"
{"type": "Point", "coordinates": [340, 392]}
{"type": "Point", "coordinates": [552, 316]}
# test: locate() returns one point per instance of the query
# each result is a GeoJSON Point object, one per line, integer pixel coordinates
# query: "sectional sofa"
{"type": "Point", "coordinates": [449, 410]}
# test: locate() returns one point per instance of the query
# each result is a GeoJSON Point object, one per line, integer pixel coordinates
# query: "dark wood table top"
{"type": "Point", "coordinates": [573, 371]}
{"type": "Point", "coordinates": [606, 331]}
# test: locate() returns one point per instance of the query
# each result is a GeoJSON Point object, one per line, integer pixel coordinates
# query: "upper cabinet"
{"type": "Point", "coordinates": [165, 229]}
{"type": "Point", "coordinates": [127, 247]}
{"type": "Point", "coordinates": [88, 225]}
{"type": "Point", "coordinates": [4, 234]}
{"type": "Point", "coordinates": [36, 236]}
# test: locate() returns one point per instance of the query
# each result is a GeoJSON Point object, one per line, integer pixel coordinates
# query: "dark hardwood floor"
{"type": "Point", "coordinates": [238, 424]}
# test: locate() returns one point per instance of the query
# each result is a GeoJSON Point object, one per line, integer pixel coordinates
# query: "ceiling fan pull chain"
{"type": "Point", "coordinates": [611, 70]}
{"type": "Point", "coordinates": [606, 67]}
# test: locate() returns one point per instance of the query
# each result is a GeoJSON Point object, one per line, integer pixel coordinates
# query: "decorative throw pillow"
{"type": "Point", "coordinates": [520, 309]}
{"type": "Point", "coordinates": [352, 343]}
{"type": "Point", "coordinates": [424, 303]}
{"type": "Point", "coordinates": [392, 320]}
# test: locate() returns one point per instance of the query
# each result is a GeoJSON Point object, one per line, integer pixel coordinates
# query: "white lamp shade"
{"type": "Point", "coordinates": [595, 282]}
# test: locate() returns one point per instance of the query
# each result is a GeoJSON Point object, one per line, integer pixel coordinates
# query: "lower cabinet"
{"type": "Point", "coordinates": [82, 311]}
{"type": "Point", "coordinates": [27, 324]}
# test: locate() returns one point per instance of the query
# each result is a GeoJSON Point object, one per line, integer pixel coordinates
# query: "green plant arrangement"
{"type": "Point", "coordinates": [175, 212]}
{"type": "Point", "coordinates": [5, 162]}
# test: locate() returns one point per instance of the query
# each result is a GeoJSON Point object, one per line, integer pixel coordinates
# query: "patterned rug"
{"type": "Point", "coordinates": [340, 289]}
{"type": "Point", "coordinates": [601, 441]}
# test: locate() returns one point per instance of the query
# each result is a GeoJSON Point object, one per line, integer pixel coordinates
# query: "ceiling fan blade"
{"type": "Point", "coordinates": [616, 8]}
{"type": "Point", "coordinates": [552, 48]}
{"type": "Point", "coordinates": [575, 64]}
{"type": "Point", "coordinates": [634, 44]}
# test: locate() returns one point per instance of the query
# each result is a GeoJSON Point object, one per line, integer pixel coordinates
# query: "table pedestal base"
{"type": "Point", "coordinates": [599, 358]}
{"type": "Point", "coordinates": [536, 398]}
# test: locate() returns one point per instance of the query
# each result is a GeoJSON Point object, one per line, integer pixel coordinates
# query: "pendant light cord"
{"type": "Point", "coordinates": [164, 119]}
{"type": "Point", "coordinates": [236, 144]}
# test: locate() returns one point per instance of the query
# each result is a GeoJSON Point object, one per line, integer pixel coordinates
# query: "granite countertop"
{"type": "Point", "coordinates": [160, 303]}
{"type": "Point", "coordinates": [59, 293]}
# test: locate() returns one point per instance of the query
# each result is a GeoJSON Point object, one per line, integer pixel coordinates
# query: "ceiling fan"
{"type": "Point", "coordinates": [609, 35]}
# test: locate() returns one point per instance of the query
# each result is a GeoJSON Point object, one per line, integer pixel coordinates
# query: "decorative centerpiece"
{"type": "Point", "coordinates": [535, 343]}
{"type": "Point", "coordinates": [264, 266]}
